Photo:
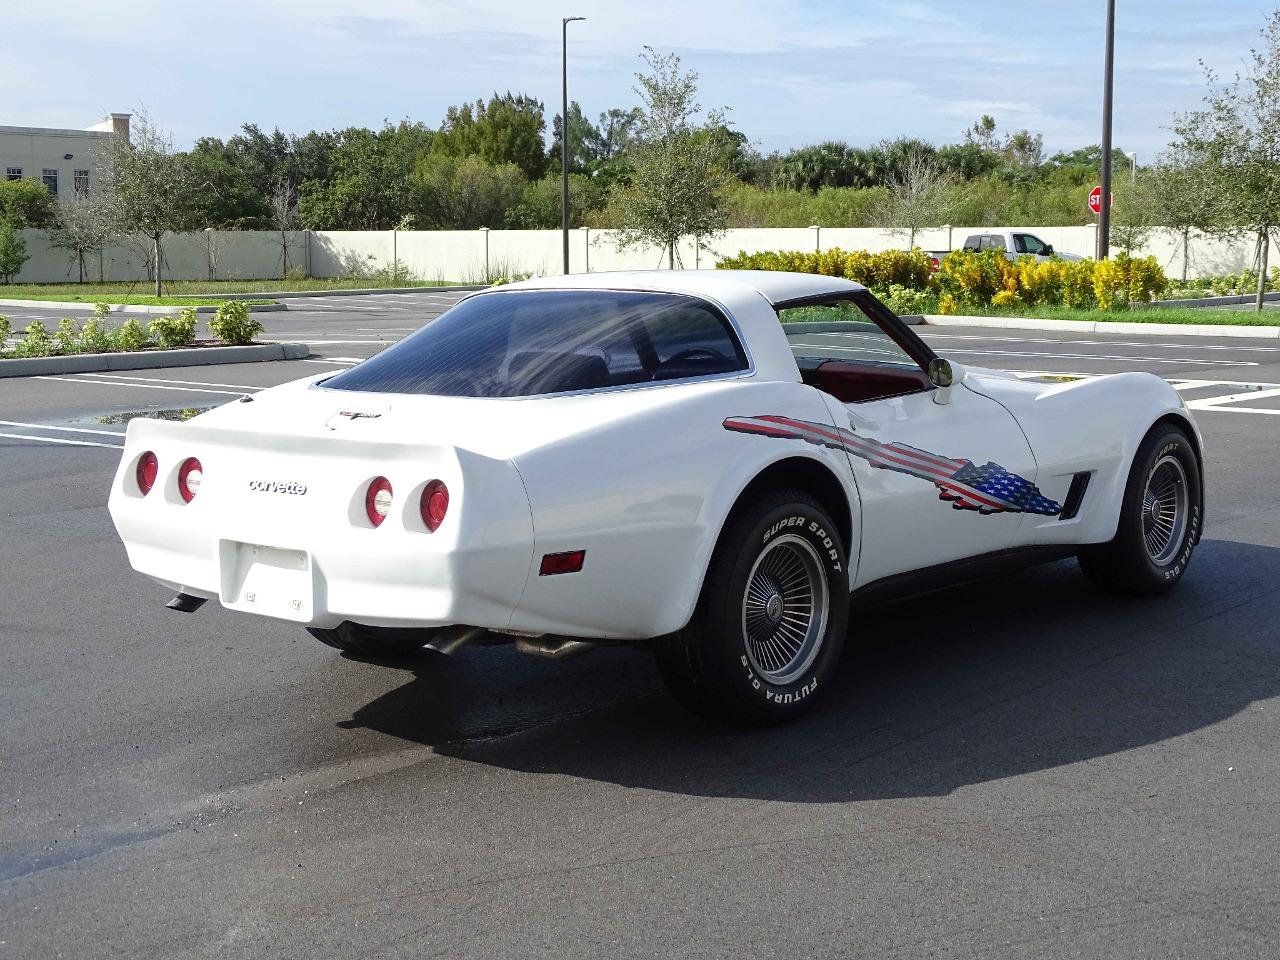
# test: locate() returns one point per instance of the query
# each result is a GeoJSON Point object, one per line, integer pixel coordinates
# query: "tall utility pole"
{"type": "Point", "coordinates": [1104, 214]}
{"type": "Point", "coordinates": [564, 135]}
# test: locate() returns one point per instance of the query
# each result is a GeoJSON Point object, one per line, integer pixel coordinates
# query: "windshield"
{"type": "Point", "coordinates": [854, 334]}
{"type": "Point", "coordinates": [521, 343]}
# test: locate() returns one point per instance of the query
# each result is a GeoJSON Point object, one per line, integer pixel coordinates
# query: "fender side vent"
{"type": "Point", "coordinates": [1075, 494]}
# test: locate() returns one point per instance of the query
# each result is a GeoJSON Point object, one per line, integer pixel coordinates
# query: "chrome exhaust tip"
{"type": "Point", "coordinates": [186, 603]}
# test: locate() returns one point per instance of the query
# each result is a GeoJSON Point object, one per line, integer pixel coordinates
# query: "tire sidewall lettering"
{"type": "Point", "coordinates": [1177, 448]}
{"type": "Point", "coordinates": [815, 532]}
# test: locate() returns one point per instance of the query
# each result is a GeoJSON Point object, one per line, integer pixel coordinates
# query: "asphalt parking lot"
{"type": "Point", "coordinates": [1020, 768]}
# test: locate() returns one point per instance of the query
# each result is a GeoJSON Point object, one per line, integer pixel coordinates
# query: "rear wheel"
{"type": "Point", "coordinates": [370, 641]}
{"type": "Point", "coordinates": [770, 623]}
{"type": "Point", "coordinates": [1160, 519]}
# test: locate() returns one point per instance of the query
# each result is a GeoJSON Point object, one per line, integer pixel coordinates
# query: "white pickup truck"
{"type": "Point", "coordinates": [1015, 243]}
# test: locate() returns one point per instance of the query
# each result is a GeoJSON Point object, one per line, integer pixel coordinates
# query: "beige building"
{"type": "Point", "coordinates": [66, 161]}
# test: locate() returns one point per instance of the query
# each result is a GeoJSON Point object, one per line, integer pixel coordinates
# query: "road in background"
{"type": "Point", "coordinates": [1019, 768]}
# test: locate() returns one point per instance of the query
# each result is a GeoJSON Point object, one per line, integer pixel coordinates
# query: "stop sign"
{"type": "Point", "coordinates": [1095, 200]}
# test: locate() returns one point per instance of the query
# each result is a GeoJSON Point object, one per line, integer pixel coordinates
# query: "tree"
{"type": "Point", "coordinates": [1135, 214]}
{"type": "Point", "coordinates": [508, 129]}
{"type": "Point", "coordinates": [676, 187]}
{"type": "Point", "coordinates": [920, 196]}
{"type": "Point", "coordinates": [615, 134]}
{"type": "Point", "coordinates": [1182, 195]}
{"type": "Point", "coordinates": [230, 193]}
{"type": "Point", "coordinates": [1235, 141]}
{"type": "Point", "coordinates": [83, 226]}
{"type": "Point", "coordinates": [538, 207]}
{"type": "Point", "coordinates": [367, 186]}
{"type": "Point", "coordinates": [828, 164]}
{"type": "Point", "coordinates": [149, 187]}
{"type": "Point", "coordinates": [464, 194]}
{"type": "Point", "coordinates": [1021, 150]}
{"type": "Point", "coordinates": [26, 203]}
{"type": "Point", "coordinates": [13, 251]}
{"type": "Point", "coordinates": [284, 217]}
{"type": "Point", "coordinates": [582, 133]}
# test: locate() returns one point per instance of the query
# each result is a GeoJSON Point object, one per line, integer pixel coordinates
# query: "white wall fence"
{"type": "Point", "coordinates": [474, 255]}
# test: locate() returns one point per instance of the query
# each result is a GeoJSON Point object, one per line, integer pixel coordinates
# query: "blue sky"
{"type": "Point", "coordinates": [790, 72]}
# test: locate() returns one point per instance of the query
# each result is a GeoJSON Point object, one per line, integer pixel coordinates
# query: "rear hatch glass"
{"type": "Point", "coordinates": [521, 343]}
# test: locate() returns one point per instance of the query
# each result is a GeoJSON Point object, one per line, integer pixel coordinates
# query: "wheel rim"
{"type": "Point", "coordinates": [1164, 510]}
{"type": "Point", "coordinates": [784, 610]}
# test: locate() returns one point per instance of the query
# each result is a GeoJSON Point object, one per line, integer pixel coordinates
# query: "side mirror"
{"type": "Point", "coordinates": [940, 373]}
{"type": "Point", "coordinates": [943, 376]}
{"type": "Point", "coordinates": [1047, 251]}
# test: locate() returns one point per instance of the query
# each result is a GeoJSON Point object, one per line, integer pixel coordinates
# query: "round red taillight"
{"type": "Point", "coordinates": [147, 471]}
{"type": "Point", "coordinates": [435, 504]}
{"type": "Point", "coordinates": [377, 500]}
{"type": "Point", "coordinates": [190, 476]}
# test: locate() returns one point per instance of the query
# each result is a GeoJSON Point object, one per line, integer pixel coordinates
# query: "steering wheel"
{"type": "Point", "coordinates": [695, 353]}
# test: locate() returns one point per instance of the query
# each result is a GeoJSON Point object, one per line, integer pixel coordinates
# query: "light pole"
{"type": "Point", "coordinates": [1108, 73]}
{"type": "Point", "coordinates": [564, 135]}
{"type": "Point", "coordinates": [1133, 166]}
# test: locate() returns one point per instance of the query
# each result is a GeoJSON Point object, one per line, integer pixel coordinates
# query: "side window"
{"type": "Point", "coordinates": [1020, 243]}
{"type": "Point", "coordinates": [1028, 243]}
{"type": "Point", "coordinates": [691, 340]}
{"type": "Point", "coordinates": [974, 243]}
{"type": "Point", "coordinates": [997, 241]}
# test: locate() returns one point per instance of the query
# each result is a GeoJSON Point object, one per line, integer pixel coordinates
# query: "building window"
{"type": "Point", "coordinates": [82, 183]}
{"type": "Point", "coordinates": [50, 178]}
{"type": "Point", "coordinates": [13, 173]}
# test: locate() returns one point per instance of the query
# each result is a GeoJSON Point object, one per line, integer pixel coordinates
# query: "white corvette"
{"type": "Point", "coordinates": [645, 457]}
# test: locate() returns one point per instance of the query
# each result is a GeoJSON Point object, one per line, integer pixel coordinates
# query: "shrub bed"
{"type": "Point", "coordinates": [234, 327]}
{"type": "Point", "coordinates": [966, 279]}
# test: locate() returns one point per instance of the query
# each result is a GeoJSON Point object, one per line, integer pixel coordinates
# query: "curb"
{"type": "Point", "coordinates": [1230, 301]}
{"type": "Point", "coordinates": [841, 326]}
{"type": "Point", "coordinates": [1108, 326]}
{"type": "Point", "coordinates": [290, 294]}
{"type": "Point", "coordinates": [146, 308]}
{"type": "Point", "coordinates": [152, 359]}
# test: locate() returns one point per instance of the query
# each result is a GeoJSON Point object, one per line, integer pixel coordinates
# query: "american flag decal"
{"type": "Point", "coordinates": [987, 489]}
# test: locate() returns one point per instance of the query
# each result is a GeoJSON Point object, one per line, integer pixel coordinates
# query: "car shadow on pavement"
{"type": "Point", "coordinates": [962, 687]}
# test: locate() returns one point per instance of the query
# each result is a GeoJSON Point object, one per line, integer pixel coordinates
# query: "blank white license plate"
{"type": "Point", "coordinates": [270, 581]}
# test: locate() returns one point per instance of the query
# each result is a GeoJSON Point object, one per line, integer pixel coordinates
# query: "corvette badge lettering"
{"type": "Point", "coordinates": [987, 489]}
{"type": "Point", "coordinates": [274, 486]}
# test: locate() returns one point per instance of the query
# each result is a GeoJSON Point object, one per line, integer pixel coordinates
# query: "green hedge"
{"type": "Point", "coordinates": [877, 270]}
{"type": "Point", "coordinates": [903, 279]}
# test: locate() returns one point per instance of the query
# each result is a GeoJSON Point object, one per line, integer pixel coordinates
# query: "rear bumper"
{"type": "Point", "coordinates": [391, 586]}
{"type": "Point", "coordinates": [315, 559]}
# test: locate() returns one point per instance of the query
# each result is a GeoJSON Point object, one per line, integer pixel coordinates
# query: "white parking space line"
{"type": "Point", "coordinates": [1216, 403]}
{"type": "Point", "coordinates": [1238, 410]}
{"type": "Point", "coordinates": [62, 440]}
{"type": "Point", "coordinates": [1101, 343]}
{"type": "Point", "coordinates": [1115, 358]}
{"type": "Point", "coordinates": [386, 329]}
{"type": "Point", "coordinates": [1112, 358]}
{"type": "Point", "coordinates": [143, 386]}
{"type": "Point", "coordinates": [196, 383]}
{"type": "Point", "coordinates": [333, 343]}
{"type": "Point", "coordinates": [45, 426]}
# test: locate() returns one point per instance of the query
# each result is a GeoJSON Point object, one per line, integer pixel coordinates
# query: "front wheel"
{"type": "Point", "coordinates": [770, 623]}
{"type": "Point", "coordinates": [1160, 519]}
